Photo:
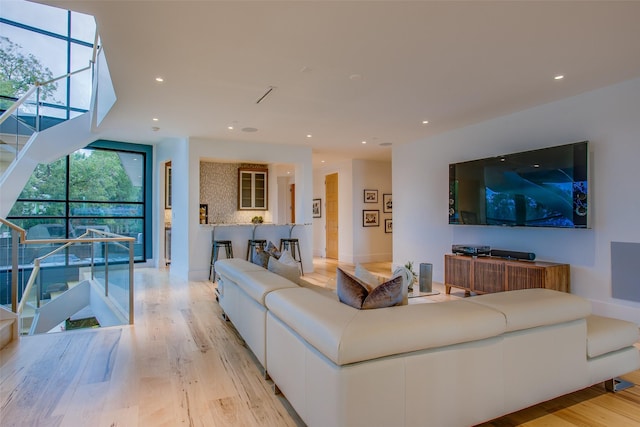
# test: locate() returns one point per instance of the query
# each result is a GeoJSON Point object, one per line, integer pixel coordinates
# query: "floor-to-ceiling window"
{"type": "Point", "coordinates": [105, 186]}
{"type": "Point", "coordinates": [40, 43]}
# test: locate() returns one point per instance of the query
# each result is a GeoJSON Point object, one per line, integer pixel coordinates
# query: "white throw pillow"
{"type": "Point", "coordinates": [287, 259]}
{"type": "Point", "coordinates": [370, 279]}
{"type": "Point", "coordinates": [288, 271]}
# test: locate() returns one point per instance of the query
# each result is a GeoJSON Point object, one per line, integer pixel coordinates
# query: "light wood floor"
{"type": "Point", "coordinates": [181, 364]}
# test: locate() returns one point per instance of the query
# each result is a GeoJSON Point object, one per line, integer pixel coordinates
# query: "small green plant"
{"type": "Point", "coordinates": [257, 220]}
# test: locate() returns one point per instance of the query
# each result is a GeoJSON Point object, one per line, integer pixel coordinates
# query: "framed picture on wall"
{"type": "Point", "coordinates": [371, 196]}
{"type": "Point", "coordinates": [387, 203]}
{"type": "Point", "coordinates": [370, 218]}
{"type": "Point", "coordinates": [316, 209]}
{"type": "Point", "coordinates": [388, 225]}
{"type": "Point", "coordinates": [167, 185]}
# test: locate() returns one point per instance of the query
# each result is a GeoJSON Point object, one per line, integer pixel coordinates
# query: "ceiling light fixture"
{"type": "Point", "coordinates": [364, 142]}
{"type": "Point", "coordinates": [425, 122]}
{"type": "Point", "coordinates": [230, 127]}
{"type": "Point", "coordinates": [159, 79]}
{"type": "Point", "coordinates": [308, 135]}
{"type": "Point", "coordinates": [559, 77]}
{"type": "Point", "coordinates": [155, 119]}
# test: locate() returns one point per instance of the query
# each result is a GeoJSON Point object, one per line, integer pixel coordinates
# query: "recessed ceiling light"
{"type": "Point", "coordinates": [308, 135]}
{"type": "Point", "coordinates": [155, 128]}
{"type": "Point", "coordinates": [425, 122]}
{"type": "Point", "coordinates": [385, 144]}
{"type": "Point", "coordinates": [155, 119]}
{"type": "Point", "coordinates": [230, 127]}
{"type": "Point", "coordinates": [559, 77]}
{"type": "Point", "coordinates": [355, 76]}
{"type": "Point", "coordinates": [159, 79]}
{"type": "Point", "coordinates": [249, 129]}
{"type": "Point", "coordinates": [364, 142]}
{"type": "Point", "coordinates": [321, 161]}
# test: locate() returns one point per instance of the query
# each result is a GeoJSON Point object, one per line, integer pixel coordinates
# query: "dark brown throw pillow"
{"type": "Point", "coordinates": [353, 291]}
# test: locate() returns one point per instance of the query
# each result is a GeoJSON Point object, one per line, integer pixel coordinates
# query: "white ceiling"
{"type": "Point", "coordinates": [345, 72]}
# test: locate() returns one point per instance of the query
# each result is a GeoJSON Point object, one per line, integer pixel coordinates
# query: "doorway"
{"type": "Point", "coordinates": [331, 228]}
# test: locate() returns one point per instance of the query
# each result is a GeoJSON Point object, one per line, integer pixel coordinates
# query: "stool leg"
{"type": "Point", "coordinates": [300, 258]}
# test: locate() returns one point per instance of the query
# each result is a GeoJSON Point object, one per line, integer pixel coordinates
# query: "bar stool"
{"type": "Point", "coordinates": [215, 248]}
{"type": "Point", "coordinates": [292, 245]}
{"type": "Point", "coordinates": [254, 244]}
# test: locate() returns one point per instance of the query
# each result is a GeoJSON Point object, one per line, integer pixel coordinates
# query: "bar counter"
{"type": "Point", "coordinates": [241, 233]}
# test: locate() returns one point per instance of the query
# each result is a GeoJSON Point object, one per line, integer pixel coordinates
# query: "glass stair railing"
{"type": "Point", "coordinates": [55, 284]}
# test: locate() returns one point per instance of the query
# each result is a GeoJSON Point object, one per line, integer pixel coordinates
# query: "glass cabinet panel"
{"type": "Point", "coordinates": [252, 189]}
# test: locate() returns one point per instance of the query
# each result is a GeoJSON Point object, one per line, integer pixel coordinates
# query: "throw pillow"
{"type": "Point", "coordinates": [286, 258]}
{"type": "Point", "coordinates": [261, 258]}
{"type": "Point", "coordinates": [353, 291]}
{"type": "Point", "coordinates": [273, 250]}
{"type": "Point", "coordinates": [290, 272]}
{"type": "Point", "coordinates": [367, 277]}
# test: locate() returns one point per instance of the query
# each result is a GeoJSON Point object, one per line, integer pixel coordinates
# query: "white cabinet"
{"type": "Point", "coordinates": [252, 189]}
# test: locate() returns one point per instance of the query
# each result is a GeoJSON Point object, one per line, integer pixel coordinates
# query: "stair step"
{"type": "Point", "coordinates": [6, 332]}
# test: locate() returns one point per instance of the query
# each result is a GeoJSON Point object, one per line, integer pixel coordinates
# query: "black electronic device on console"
{"type": "Point", "coordinates": [523, 256]}
{"type": "Point", "coordinates": [473, 250]}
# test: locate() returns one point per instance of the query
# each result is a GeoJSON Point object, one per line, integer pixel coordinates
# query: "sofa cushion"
{"type": "Point", "coordinates": [347, 335]}
{"type": "Point", "coordinates": [529, 308]}
{"type": "Point", "coordinates": [234, 268]}
{"type": "Point", "coordinates": [605, 335]}
{"type": "Point", "coordinates": [355, 293]}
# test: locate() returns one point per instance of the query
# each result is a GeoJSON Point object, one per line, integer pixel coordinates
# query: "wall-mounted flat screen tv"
{"type": "Point", "coordinates": [538, 188]}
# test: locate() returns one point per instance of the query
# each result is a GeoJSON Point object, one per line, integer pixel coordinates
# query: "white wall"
{"type": "Point", "coordinates": [370, 244]}
{"type": "Point", "coordinates": [609, 118]}
{"type": "Point", "coordinates": [355, 243]}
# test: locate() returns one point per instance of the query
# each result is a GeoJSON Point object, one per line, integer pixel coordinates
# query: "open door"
{"type": "Point", "coordinates": [331, 196]}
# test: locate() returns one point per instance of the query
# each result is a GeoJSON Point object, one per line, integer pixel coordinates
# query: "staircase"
{"type": "Point", "coordinates": [48, 145]}
{"type": "Point", "coordinates": [8, 327]}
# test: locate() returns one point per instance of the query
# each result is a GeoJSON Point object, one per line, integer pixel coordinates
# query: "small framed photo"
{"type": "Point", "coordinates": [167, 185]}
{"type": "Point", "coordinates": [316, 209]}
{"type": "Point", "coordinates": [371, 196]}
{"type": "Point", "coordinates": [370, 218]}
{"type": "Point", "coordinates": [387, 203]}
{"type": "Point", "coordinates": [388, 225]}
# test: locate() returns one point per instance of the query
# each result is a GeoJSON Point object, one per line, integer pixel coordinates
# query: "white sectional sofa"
{"type": "Point", "coordinates": [455, 363]}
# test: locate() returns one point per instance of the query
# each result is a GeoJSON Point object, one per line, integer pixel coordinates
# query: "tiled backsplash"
{"type": "Point", "coordinates": [219, 189]}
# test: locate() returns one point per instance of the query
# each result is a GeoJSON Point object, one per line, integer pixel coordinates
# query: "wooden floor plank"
{"type": "Point", "coordinates": [181, 364]}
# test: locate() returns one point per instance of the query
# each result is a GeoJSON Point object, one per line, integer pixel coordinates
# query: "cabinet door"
{"type": "Point", "coordinates": [488, 276]}
{"type": "Point", "coordinates": [457, 271]}
{"type": "Point", "coordinates": [252, 189]}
